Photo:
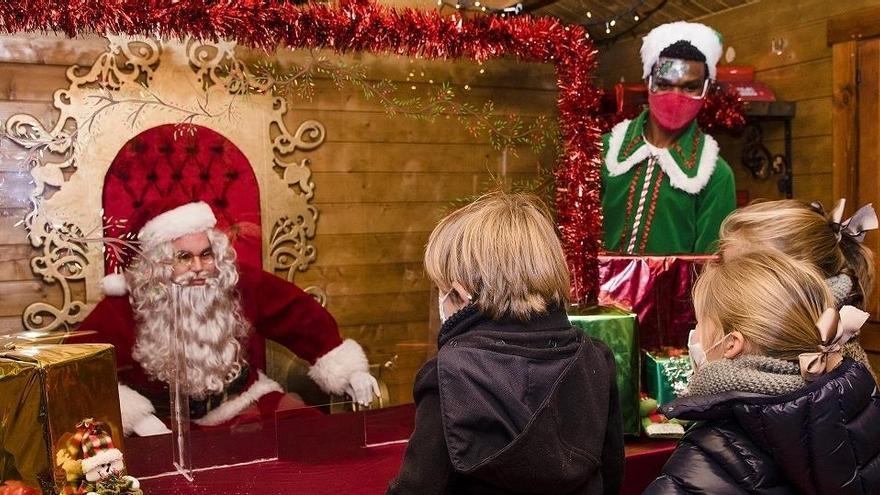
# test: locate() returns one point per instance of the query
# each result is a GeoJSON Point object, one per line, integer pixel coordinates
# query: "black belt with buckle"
{"type": "Point", "coordinates": [200, 407]}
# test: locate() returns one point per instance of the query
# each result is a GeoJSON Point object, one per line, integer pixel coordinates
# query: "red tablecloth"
{"type": "Point", "coordinates": [324, 455]}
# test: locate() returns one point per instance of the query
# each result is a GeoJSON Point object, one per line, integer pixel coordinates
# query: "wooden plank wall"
{"type": "Point", "coordinates": [801, 73]}
{"type": "Point", "coordinates": [381, 185]}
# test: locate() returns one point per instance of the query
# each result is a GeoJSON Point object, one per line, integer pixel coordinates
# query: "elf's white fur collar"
{"type": "Point", "coordinates": [677, 178]}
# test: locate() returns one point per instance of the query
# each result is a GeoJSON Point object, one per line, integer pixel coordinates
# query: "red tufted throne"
{"type": "Point", "coordinates": [192, 163]}
{"type": "Point", "coordinates": [198, 164]}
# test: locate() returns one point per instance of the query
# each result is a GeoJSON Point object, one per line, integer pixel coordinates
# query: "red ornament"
{"type": "Point", "coordinates": [360, 25]}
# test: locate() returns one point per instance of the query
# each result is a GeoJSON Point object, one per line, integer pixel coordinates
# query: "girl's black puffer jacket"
{"type": "Point", "coordinates": [821, 439]}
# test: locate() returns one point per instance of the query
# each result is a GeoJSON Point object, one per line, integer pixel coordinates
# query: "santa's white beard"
{"type": "Point", "coordinates": [210, 324]}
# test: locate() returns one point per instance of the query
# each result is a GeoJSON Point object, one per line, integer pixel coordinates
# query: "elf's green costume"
{"type": "Point", "coordinates": [663, 200]}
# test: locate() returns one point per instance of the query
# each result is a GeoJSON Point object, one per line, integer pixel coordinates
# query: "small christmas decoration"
{"type": "Point", "coordinates": [668, 370]}
{"type": "Point", "coordinates": [92, 465]}
{"type": "Point", "coordinates": [655, 424]}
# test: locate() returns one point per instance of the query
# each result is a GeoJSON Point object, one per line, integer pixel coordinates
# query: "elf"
{"type": "Point", "coordinates": [665, 189]}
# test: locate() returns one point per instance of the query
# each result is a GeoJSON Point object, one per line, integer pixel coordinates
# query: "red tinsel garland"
{"type": "Point", "coordinates": [366, 26]}
{"type": "Point", "coordinates": [723, 111]}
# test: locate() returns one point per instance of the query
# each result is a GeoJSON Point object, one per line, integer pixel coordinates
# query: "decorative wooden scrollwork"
{"type": "Point", "coordinates": [289, 246]}
{"type": "Point", "coordinates": [138, 84]}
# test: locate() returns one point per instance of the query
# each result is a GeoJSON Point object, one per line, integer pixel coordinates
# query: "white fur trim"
{"type": "Point", "coordinates": [232, 408]}
{"type": "Point", "coordinates": [114, 285]}
{"type": "Point", "coordinates": [665, 429]}
{"type": "Point", "coordinates": [677, 178]}
{"type": "Point", "coordinates": [618, 134]}
{"type": "Point", "coordinates": [134, 408]}
{"type": "Point", "coordinates": [701, 36]}
{"type": "Point", "coordinates": [333, 370]}
{"type": "Point", "coordinates": [102, 457]}
{"type": "Point", "coordinates": [172, 224]}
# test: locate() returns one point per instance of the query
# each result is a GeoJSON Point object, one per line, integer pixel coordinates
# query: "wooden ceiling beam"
{"type": "Point", "coordinates": [704, 10]}
{"type": "Point", "coordinates": [533, 5]}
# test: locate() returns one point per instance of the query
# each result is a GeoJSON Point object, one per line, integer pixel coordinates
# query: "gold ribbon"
{"type": "Point", "coordinates": [863, 220]}
{"type": "Point", "coordinates": [836, 329]}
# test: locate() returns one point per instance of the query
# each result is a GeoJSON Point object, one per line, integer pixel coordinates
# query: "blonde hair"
{"type": "Point", "coordinates": [773, 300]}
{"type": "Point", "coordinates": [797, 230]}
{"type": "Point", "coordinates": [502, 249]}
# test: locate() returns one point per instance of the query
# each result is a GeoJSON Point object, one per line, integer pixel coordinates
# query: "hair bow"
{"type": "Point", "coordinates": [836, 329]}
{"type": "Point", "coordinates": [864, 219]}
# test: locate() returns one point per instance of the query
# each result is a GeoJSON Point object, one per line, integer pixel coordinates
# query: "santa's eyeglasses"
{"type": "Point", "coordinates": [187, 259]}
{"type": "Point", "coordinates": [691, 89]}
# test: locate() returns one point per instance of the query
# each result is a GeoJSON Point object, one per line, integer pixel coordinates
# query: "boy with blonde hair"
{"type": "Point", "coordinates": [516, 400]}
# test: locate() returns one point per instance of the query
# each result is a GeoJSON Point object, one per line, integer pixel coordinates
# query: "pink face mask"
{"type": "Point", "coordinates": [673, 111]}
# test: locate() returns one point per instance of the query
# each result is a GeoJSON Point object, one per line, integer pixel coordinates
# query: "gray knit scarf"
{"type": "Point", "coordinates": [767, 375]}
{"type": "Point", "coordinates": [751, 373]}
{"type": "Point", "coordinates": [841, 286]}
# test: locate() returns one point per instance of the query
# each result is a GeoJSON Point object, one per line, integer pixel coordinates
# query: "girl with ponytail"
{"type": "Point", "coordinates": [806, 232]}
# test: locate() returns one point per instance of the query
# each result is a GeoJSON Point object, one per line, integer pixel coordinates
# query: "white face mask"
{"type": "Point", "coordinates": [696, 352]}
{"type": "Point", "coordinates": [440, 301]}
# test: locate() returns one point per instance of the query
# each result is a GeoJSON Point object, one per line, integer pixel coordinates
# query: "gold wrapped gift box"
{"type": "Point", "coordinates": [45, 390]}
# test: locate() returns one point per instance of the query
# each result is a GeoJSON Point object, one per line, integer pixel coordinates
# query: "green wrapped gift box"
{"type": "Point", "coordinates": [618, 330]}
{"type": "Point", "coordinates": [667, 375]}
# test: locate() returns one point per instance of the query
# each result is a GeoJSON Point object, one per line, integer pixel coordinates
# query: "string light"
{"type": "Point", "coordinates": [629, 18]}
{"type": "Point", "coordinates": [478, 6]}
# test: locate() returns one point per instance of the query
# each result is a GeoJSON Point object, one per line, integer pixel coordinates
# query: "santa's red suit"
{"type": "Point", "coordinates": [276, 309]}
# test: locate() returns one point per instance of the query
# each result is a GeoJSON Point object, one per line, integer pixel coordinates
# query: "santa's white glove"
{"type": "Point", "coordinates": [150, 425]}
{"type": "Point", "coordinates": [361, 387]}
{"type": "Point", "coordinates": [137, 414]}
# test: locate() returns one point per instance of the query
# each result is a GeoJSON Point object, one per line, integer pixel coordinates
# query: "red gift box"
{"type": "Point", "coordinates": [657, 289]}
{"type": "Point", "coordinates": [750, 91]}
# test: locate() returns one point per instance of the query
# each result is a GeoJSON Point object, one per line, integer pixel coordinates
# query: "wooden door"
{"type": "Point", "coordinates": [865, 183]}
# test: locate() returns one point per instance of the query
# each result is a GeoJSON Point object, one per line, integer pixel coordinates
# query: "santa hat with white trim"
{"type": "Point", "coordinates": [160, 222]}
{"type": "Point", "coordinates": [702, 37]}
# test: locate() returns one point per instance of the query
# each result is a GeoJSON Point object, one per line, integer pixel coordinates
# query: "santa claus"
{"type": "Point", "coordinates": [223, 314]}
